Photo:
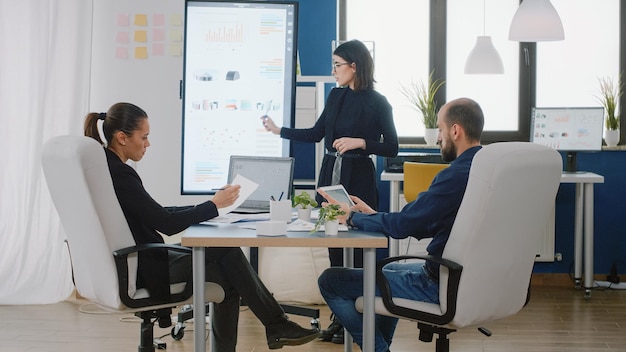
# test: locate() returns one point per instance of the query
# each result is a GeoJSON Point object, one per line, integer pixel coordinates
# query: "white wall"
{"type": "Point", "coordinates": [151, 83]}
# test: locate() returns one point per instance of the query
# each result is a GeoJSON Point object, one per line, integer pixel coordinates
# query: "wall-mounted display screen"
{"type": "Point", "coordinates": [239, 64]}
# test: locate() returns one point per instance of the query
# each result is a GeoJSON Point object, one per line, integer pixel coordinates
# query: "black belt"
{"type": "Point", "coordinates": [347, 155]}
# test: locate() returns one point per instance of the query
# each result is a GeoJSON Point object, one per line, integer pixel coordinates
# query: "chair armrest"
{"type": "Point", "coordinates": [121, 263]}
{"type": "Point", "coordinates": [454, 276]}
{"type": "Point", "coordinates": [124, 252]}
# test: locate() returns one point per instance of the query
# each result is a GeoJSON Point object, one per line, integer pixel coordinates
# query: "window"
{"type": "Point", "coordinates": [568, 71]}
{"type": "Point", "coordinates": [401, 51]}
{"type": "Point", "coordinates": [563, 73]}
{"type": "Point", "coordinates": [497, 94]}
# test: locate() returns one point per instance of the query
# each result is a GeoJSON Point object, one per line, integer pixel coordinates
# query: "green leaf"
{"type": "Point", "coordinates": [422, 99]}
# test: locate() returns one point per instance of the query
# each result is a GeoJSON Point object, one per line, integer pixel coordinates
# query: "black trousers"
{"type": "Point", "coordinates": [230, 268]}
{"type": "Point", "coordinates": [336, 257]}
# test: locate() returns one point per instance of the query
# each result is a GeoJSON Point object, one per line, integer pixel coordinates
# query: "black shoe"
{"type": "Point", "coordinates": [334, 327]}
{"type": "Point", "coordinates": [338, 337]}
{"type": "Point", "coordinates": [289, 333]}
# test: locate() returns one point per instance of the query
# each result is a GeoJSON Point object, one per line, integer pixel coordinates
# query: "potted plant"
{"type": "Point", "coordinates": [609, 97]}
{"type": "Point", "coordinates": [303, 202]}
{"type": "Point", "coordinates": [422, 99]}
{"type": "Point", "coordinates": [328, 218]}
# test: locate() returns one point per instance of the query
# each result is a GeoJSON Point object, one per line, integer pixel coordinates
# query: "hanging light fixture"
{"type": "Point", "coordinates": [484, 57]}
{"type": "Point", "coordinates": [536, 21]}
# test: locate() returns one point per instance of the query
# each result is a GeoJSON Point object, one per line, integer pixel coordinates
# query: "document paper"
{"type": "Point", "coordinates": [247, 187]}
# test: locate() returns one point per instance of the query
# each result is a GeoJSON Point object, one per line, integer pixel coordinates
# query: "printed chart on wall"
{"type": "Point", "coordinates": [239, 65]}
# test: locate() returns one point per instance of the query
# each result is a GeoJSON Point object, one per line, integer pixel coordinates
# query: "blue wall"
{"type": "Point", "coordinates": [609, 219]}
{"type": "Point", "coordinates": [316, 31]}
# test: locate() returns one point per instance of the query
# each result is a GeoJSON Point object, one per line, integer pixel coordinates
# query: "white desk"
{"type": "Point", "coordinates": [583, 216]}
{"type": "Point", "coordinates": [224, 235]}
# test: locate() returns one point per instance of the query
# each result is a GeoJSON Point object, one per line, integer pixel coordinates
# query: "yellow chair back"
{"type": "Point", "coordinates": [418, 177]}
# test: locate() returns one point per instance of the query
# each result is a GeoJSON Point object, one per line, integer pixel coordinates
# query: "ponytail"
{"type": "Point", "coordinates": [91, 126]}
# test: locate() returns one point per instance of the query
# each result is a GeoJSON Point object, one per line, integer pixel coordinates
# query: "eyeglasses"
{"type": "Point", "coordinates": [336, 65]}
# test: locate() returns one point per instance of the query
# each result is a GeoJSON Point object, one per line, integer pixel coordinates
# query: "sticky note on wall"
{"type": "Point", "coordinates": [158, 49]}
{"type": "Point", "coordinates": [158, 19]}
{"type": "Point", "coordinates": [141, 20]}
{"type": "Point", "coordinates": [158, 34]}
{"type": "Point", "coordinates": [176, 20]}
{"type": "Point", "coordinates": [141, 52]}
{"type": "Point", "coordinates": [175, 36]}
{"type": "Point", "coordinates": [121, 53]}
{"type": "Point", "coordinates": [121, 37]}
{"type": "Point", "coordinates": [141, 36]}
{"type": "Point", "coordinates": [122, 20]}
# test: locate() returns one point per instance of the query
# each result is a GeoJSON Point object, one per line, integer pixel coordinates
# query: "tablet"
{"type": "Point", "coordinates": [339, 193]}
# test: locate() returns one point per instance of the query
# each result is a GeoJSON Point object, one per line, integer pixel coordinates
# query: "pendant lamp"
{"type": "Point", "coordinates": [536, 21]}
{"type": "Point", "coordinates": [484, 58]}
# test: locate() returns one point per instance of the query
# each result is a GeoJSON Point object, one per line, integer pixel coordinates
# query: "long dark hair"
{"type": "Point", "coordinates": [356, 52]}
{"type": "Point", "coordinates": [123, 117]}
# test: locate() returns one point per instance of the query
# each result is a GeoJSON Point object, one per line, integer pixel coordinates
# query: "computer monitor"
{"type": "Point", "coordinates": [570, 130]}
{"type": "Point", "coordinates": [274, 175]}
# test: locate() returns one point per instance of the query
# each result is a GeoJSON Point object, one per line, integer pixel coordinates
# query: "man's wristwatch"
{"type": "Point", "coordinates": [349, 219]}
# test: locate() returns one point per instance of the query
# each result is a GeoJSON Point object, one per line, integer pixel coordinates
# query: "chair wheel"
{"type": "Point", "coordinates": [178, 331]}
{"type": "Point", "coordinates": [315, 323]}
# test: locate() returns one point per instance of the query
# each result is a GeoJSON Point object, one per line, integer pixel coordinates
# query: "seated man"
{"type": "Point", "coordinates": [431, 215]}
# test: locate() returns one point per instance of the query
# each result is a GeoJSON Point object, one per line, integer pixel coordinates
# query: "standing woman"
{"type": "Point", "coordinates": [357, 121]}
{"type": "Point", "coordinates": [126, 129]}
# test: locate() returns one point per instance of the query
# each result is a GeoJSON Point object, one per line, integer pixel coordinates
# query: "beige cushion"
{"type": "Point", "coordinates": [291, 273]}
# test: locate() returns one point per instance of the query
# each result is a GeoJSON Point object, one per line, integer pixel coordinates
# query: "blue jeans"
{"type": "Point", "coordinates": [340, 287]}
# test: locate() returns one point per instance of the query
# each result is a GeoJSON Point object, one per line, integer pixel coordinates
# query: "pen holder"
{"type": "Point", "coordinates": [280, 210]}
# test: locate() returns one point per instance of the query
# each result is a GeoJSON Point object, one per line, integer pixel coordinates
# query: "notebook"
{"type": "Point", "coordinates": [274, 175]}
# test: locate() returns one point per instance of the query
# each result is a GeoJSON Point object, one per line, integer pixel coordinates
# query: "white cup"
{"type": "Point", "coordinates": [280, 210]}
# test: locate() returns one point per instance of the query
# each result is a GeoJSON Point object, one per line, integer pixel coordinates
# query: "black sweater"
{"type": "Point", "coordinates": [359, 114]}
{"type": "Point", "coordinates": [146, 218]}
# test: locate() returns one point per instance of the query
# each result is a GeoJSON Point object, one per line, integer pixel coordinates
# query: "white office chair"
{"type": "Point", "coordinates": [102, 249]}
{"type": "Point", "coordinates": [488, 260]}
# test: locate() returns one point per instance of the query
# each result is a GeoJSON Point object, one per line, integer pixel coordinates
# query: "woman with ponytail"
{"type": "Point", "coordinates": [125, 129]}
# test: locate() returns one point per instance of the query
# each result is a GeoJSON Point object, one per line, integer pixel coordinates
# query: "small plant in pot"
{"type": "Point", "coordinates": [422, 98]}
{"type": "Point", "coordinates": [610, 94]}
{"type": "Point", "coordinates": [328, 218]}
{"type": "Point", "coordinates": [303, 202]}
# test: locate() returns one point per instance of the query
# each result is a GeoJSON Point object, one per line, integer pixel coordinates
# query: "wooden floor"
{"type": "Point", "coordinates": [558, 319]}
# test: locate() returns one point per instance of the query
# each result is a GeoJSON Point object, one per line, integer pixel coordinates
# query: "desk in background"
{"type": "Point", "coordinates": [230, 235]}
{"type": "Point", "coordinates": [583, 229]}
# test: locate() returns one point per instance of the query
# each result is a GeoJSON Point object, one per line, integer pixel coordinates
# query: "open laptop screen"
{"type": "Point", "coordinates": [274, 175]}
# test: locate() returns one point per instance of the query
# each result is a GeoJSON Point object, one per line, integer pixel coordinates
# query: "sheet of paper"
{"type": "Point", "coordinates": [296, 226]}
{"type": "Point", "coordinates": [301, 225]}
{"type": "Point", "coordinates": [247, 188]}
{"type": "Point", "coordinates": [233, 218]}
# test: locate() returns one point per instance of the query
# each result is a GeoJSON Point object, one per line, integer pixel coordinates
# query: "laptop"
{"type": "Point", "coordinates": [274, 175]}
